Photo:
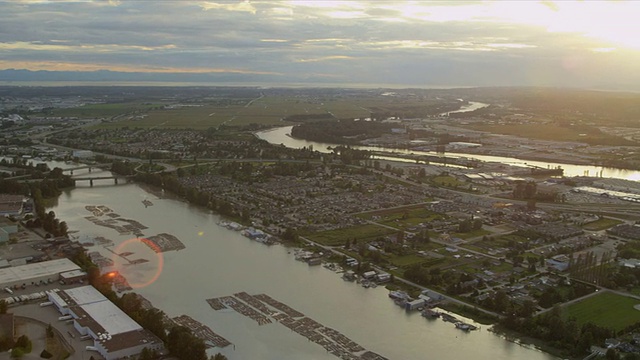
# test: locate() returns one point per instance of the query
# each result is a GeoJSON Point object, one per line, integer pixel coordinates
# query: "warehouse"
{"type": "Point", "coordinates": [115, 335]}
{"type": "Point", "coordinates": [35, 273]}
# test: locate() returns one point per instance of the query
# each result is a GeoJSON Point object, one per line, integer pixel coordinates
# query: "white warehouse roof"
{"type": "Point", "coordinates": [25, 273]}
{"type": "Point", "coordinates": [110, 317]}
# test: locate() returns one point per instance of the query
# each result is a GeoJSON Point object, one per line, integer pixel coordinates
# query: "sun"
{"type": "Point", "coordinates": [613, 23]}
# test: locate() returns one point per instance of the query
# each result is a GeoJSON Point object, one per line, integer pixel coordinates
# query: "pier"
{"type": "Point", "coordinates": [263, 308]}
{"type": "Point", "coordinates": [201, 331]}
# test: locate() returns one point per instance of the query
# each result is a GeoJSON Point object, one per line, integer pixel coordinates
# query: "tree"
{"type": "Point", "coordinates": [218, 356]}
{"type": "Point", "coordinates": [290, 235]}
{"type": "Point", "coordinates": [612, 354]}
{"type": "Point", "coordinates": [3, 306]}
{"type": "Point", "coordinates": [184, 345]}
{"type": "Point", "coordinates": [147, 354]}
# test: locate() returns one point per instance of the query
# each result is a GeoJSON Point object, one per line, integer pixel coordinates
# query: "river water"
{"type": "Point", "coordinates": [471, 106]}
{"type": "Point", "coordinates": [219, 262]}
{"type": "Point", "coordinates": [281, 135]}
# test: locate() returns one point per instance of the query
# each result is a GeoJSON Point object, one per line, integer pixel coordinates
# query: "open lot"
{"type": "Point", "coordinates": [402, 217]}
{"type": "Point", "coordinates": [269, 109]}
{"type": "Point", "coordinates": [340, 236]}
{"type": "Point", "coordinates": [601, 224]}
{"type": "Point", "coordinates": [607, 309]}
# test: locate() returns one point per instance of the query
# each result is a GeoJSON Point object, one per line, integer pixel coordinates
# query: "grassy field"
{"type": "Point", "coordinates": [448, 181]}
{"type": "Point", "coordinates": [105, 110]}
{"type": "Point", "coordinates": [546, 131]}
{"type": "Point", "coordinates": [402, 218]}
{"type": "Point", "coordinates": [607, 309]}
{"type": "Point", "coordinates": [340, 236]}
{"type": "Point", "coordinates": [267, 110]}
{"type": "Point", "coordinates": [471, 234]}
{"type": "Point", "coordinates": [601, 224]}
{"type": "Point", "coordinates": [495, 242]}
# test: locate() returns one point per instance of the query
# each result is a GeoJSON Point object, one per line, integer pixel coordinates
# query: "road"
{"type": "Point", "coordinates": [407, 282]}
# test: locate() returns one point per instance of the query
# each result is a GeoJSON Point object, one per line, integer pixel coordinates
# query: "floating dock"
{"type": "Point", "coordinates": [201, 331]}
{"type": "Point", "coordinates": [263, 308]}
{"type": "Point", "coordinates": [163, 242]}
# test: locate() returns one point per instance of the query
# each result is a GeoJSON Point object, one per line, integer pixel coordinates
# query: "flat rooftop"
{"type": "Point", "coordinates": [110, 317]}
{"type": "Point", "coordinates": [27, 272]}
{"type": "Point", "coordinates": [95, 311]}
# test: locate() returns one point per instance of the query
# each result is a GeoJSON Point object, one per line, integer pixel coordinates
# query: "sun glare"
{"type": "Point", "coordinates": [614, 23]}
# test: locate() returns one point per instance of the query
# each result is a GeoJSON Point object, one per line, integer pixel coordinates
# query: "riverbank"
{"type": "Point", "coordinates": [279, 136]}
{"type": "Point", "coordinates": [219, 262]}
{"type": "Point", "coordinates": [530, 342]}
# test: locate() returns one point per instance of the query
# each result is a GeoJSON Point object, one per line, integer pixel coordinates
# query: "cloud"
{"type": "Point", "coordinates": [354, 41]}
{"type": "Point", "coordinates": [242, 6]}
{"type": "Point", "coordinates": [327, 58]}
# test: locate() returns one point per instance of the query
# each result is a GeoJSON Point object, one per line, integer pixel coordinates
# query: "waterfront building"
{"type": "Point", "coordinates": [34, 273]}
{"type": "Point", "coordinates": [11, 205]}
{"type": "Point", "coordinates": [115, 335]}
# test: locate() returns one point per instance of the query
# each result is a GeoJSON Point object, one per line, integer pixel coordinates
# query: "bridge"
{"type": "Point", "coordinates": [91, 179]}
{"type": "Point", "coordinates": [90, 167]}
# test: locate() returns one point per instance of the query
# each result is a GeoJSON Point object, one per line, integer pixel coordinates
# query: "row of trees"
{"type": "Point", "coordinates": [558, 331]}
{"type": "Point", "coordinates": [340, 132]}
{"type": "Point", "coordinates": [179, 340]}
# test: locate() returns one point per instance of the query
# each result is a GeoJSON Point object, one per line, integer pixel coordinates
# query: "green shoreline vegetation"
{"type": "Point", "coordinates": [222, 128]}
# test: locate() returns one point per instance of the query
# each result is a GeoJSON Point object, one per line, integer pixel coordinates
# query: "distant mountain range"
{"type": "Point", "coordinates": [436, 80]}
{"type": "Point", "coordinates": [110, 76]}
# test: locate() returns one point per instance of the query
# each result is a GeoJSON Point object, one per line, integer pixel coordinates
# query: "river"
{"type": "Point", "coordinates": [282, 135]}
{"type": "Point", "coordinates": [471, 106]}
{"type": "Point", "coordinates": [219, 262]}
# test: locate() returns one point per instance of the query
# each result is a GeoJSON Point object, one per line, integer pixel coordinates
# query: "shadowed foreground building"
{"type": "Point", "coordinates": [115, 335]}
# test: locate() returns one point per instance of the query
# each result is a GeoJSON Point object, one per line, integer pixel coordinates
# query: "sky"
{"type": "Point", "coordinates": [589, 44]}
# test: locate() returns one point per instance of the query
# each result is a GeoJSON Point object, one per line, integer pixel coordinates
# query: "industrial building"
{"type": "Point", "coordinates": [35, 273]}
{"type": "Point", "coordinates": [115, 335]}
{"type": "Point", "coordinates": [11, 205]}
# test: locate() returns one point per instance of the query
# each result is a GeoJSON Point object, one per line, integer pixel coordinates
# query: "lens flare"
{"type": "Point", "coordinates": [160, 262]}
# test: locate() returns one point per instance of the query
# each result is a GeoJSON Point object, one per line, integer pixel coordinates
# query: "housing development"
{"type": "Point", "coordinates": [488, 208]}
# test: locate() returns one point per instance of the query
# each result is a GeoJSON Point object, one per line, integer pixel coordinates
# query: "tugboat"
{"type": "Point", "coordinates": [430, 313]}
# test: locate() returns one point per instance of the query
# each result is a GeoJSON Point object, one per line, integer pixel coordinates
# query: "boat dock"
{"type": "Point", "coordinates": [332, 340]}
{"type": "Point", "coordinates": [242, 308]}
{"type": "Point", "coordinates": [430, 313]}
{"type": "Point", "coordinates": [253, 302]}
{"type": "Point", "coordinates": [163, 242]}
{"type": "Point", "coordinates": [201, 331]}
{"type": "Point", "coordinates": [216, 304]}
{"type": "Point", "coordinates": [278, 305]}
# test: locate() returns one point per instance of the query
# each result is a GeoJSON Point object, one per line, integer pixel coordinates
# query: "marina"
{"type": "Point", "coordinates": [244, 309]}
{"type": "Point", "coordinates": [113, 221]}
{"type": "Point", "coordinates": [163, 242]}
{"type": "Point", "coordinates": [203, 332]}
{"type": "Point", "coordinates": [332, 340]}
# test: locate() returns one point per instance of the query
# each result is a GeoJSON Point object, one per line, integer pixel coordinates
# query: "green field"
{"type": "Point", "coordinates": [472, 234]}
{"type": "Point", "coordinates": [549, 131]}
{"type": "Point", "coordinates": [340, 236]}
{"type": "Point", "coordinates": [104, 110]}
{"type": "Point", "coordinates": [402, 218]}
{"type": "Point", "coordinates": [601, 224]}
{"type": "Point", "coordinates": [267, 110]}
{"type": "Point", "coordinates": [447, 180]}
{"type": "Point", "coordinates": [607, 309]}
